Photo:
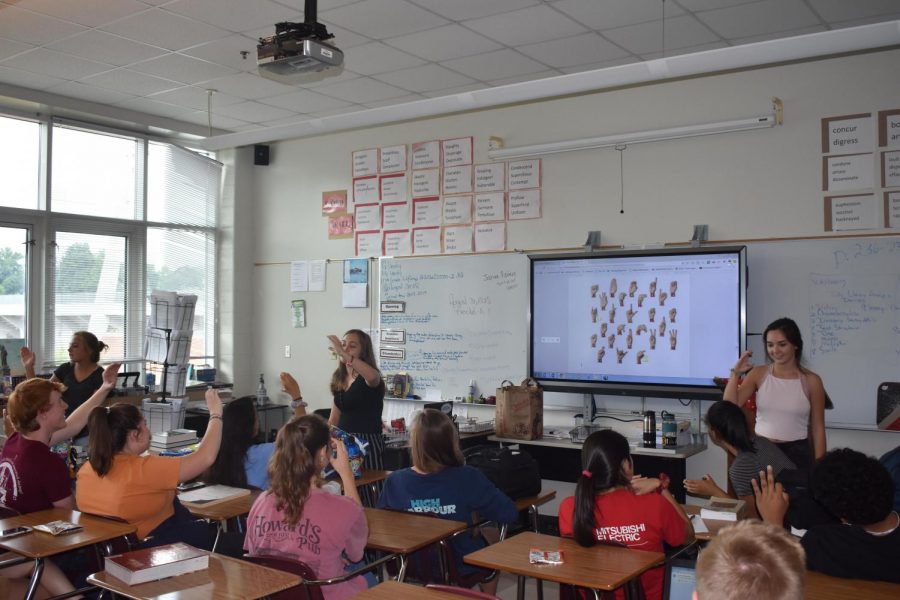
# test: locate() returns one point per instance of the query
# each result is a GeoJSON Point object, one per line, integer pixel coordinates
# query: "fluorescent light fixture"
{"type": "Point", "coordinates": [638, 137]}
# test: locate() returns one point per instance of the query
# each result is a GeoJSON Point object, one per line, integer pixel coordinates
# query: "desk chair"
{"type": "Point", "coordinates": [312, 587]}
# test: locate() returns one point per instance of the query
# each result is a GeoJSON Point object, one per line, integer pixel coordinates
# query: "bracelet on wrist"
{"type": "Point", "coordinates": [215, 416]}
{"type": "Point", "coordinates": [298, 402]}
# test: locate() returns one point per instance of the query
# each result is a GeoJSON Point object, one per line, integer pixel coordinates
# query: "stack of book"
{"type": "Point", "coordinates": [723, 509]}
{"type": "Point", "coordinates": [150, 564]}
{"type": "Point", "coordinates": [175, 439]}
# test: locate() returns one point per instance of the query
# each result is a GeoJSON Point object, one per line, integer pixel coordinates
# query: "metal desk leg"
{"type": "Point", "coordinates": [520, 587]}
{"type": "Point", "coordinates": [401, 575]}
{"type": "Point", "coordinates": [534, 523]}
{"type": "Point", "coordinates": [35, 578]}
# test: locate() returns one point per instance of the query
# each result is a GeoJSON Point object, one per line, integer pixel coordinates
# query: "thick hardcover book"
{"type": "Point", "coordinates": [150, 564]}
{"type": "Point", "coordinates": [211, 495]}
{"type": "Point", "coordinates": [722, 509]}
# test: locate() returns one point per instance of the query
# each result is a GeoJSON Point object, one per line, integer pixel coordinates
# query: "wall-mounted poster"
{"type": "Point", "coordinates": [457, 151]}
{"type": "Point", "coordinates": [426, 155]}
{"type": "Point", "coordinates": [490, 177]}
{"type": "Point", "coordinates": [334, 202]}
{"type": "Point", "coordinates": [490, 207]}
{"type": "Point", "coordinates": [426, 183]}
{"type": "Point", "coordinates": [426, 212]}
{"type": "Point", "coordinates": [393, 159]}
{"type": "Point", "coordinates": [356, 270]}
{"type": "Point", "coordinates": [393, 188]}
{"type": "Point", "coordinates": [340, 227]}
{"type": "Point", "coordinates": [365, 162]}
{"type": "Point", "coordinates": [457, 239]}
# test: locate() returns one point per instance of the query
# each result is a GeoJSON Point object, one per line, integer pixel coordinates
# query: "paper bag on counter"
{"type": "Point", "coordinates": [520, 410]}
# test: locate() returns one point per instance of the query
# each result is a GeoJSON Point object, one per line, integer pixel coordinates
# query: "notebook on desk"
{"type": "Point", "coordinates": [680, 579]}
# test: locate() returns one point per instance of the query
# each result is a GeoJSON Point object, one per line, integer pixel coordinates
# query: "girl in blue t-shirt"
{"type": "Point", "coordinates": [241, 462]}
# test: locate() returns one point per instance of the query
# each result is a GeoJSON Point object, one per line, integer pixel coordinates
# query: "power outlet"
{"type": "Point", "coordinates": [287, 351]}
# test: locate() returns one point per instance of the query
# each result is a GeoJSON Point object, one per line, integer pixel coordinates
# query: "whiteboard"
{"type": "Point", "coordinates": [845, 296]}
{"type": "Point", "coordinates": [465, 317]}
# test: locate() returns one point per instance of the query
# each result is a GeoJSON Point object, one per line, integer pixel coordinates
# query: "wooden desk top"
{"type": "Point", "coordinates": [598, 567]}
{"type": "Point", "coordinates": [713, 525]}
{"type": "Point", "coordinates": [403, 532]}
{"type": "Point", "coordinates": [225, 510]}
{"type": "Point", "coordinates": [41, 545]}
{"type": "Point", "coordinates": [369, 476]}
{"type": "Point", "coordinates": [541, 498]}
{"type": "Point", "coordinates": [825, 587]}
{"type": "Point", "coordinates": [393, 590]}
{"type": "Point", "coordinates": [225, 579]}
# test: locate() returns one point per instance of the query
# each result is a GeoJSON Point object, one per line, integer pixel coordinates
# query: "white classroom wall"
{"type": "Point", "coordinates": [756, 184]}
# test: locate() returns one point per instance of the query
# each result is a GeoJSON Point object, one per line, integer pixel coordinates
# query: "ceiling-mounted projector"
{"type": "Point", "coordinates": [297, 50]}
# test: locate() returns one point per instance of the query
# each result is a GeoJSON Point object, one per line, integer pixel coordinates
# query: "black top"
{"type": "Point", "coordinates": [850, 551]}
{"type": "Point", "coordinates": [361, 407]}
{"type": "Point", "coordinates": [77, 392]}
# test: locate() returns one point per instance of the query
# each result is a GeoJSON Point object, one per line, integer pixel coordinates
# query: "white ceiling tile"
{"type": "Point", "coordinates": [604, 65]}
{"type": "Point", "coordinates": [394, 101]}
{"type": "Point", "coordinates": [160, 28]}
{"type": "Point", "coordinates": [688, 50]}
{"type": "Point", "coordinates": [460, 10]}
{"type": "Point", "coordinates": [55, 64]}
{"type": "Point", "coordinates": [233, 15]}
{"type": "Point", "coordinates": [104, 47]}
{"type": "Point", "coordinates": [759, 18]}
{"type": "Point", "coordinates": [92, 13]}
{"type": "Point", "coordinates": [455, 90]}
{"type": "Point", "coordinates": [227, 51]}
{"type": "Point", "coordinates": [241, 128]}
{"type": "Point", "coordinates": [182, 68]}
{"type": "Point", "coordinates": [425, 78]}
{"type": "Point", "coordinates": [92, 93]}
{"type": "Point", "coordinates": [526, 77]}
{"type": "Point", "coordinates": [774, 36]}
{"type": "Point", "coordinates": [494, 65]}
{"type": "Point", "coordinates": [218, 121]}
{"type": "Point", "coordinates": [27, 79]}
{"type": "Point", "coordinates": [867, 21]}
{"type": "Point", "coordinates": [681, 32]}
{"type": "Point", "coordinates": [444, 43]}
{"type": "Point", "coordinates": [340, 111]}
{"type": "Point", "coordinates": [376, 57]}
{"type": "Point", "coordinates": [247, 86]}
{"type": "Point", "coordinates": [304, 101]}
{"type": "Point", "coordinates": [194, 98]}
{"type": "Point", "coordinates": [32, 28]}
{"type": "Point", "coordinates": [128, 81]}
{"type": "Point", "coordinates": [383, 18]}
{"type": "Point", "coordinates": [153, 107]}
{"type": "Point", "coordinates": [253, 112]}
{"type": "Point", "coordinates": [9, 48]}
{"type": "Point", "coordinates": [841, 10]}
{"type": "Point", "coordinates": [293, 120]}
{"type": "Point", "coordinates": [528, 25]}
{"type": "Point", "coordinates": [327, 77]}
{"type": "Point", "coordinates": [577, 50]}
{"type": "Point", "coordinates": [361, 90]}
{"type": "Point", "coordinates": [608, 14]}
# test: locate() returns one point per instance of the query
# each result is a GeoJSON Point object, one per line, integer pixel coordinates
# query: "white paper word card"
{"type": "Point", "coordinates": [458, 180]}
{"type": "Point", "coordinates": [457, 239]}
{"type": "Point", "coordinates": [457, 151]}
{"type": "Point", "coordinates": [427, 240]}
{"type": "Point", "coordinates": [393, 159]}
{"type": "Point", "coordinates": [524, 204]}
{"type": "Point", "coordinates": [524, 174]}
{"type": "Point", "coordinates": [397, 243]}
{"type": "Point", "coordinates": [367, 217]}
{"type": "Point", "coordinates": [490, 237]}
{"type": "Point", "coordinates": [368, 243]}
{"type": "Point", "coordinates": [457, 210]}
{"type": "Point", "coordinates": [365, 162]}
{"type": "Point", "coordinates": [393, 188]}
{"type": "Point", "coordinates": [426, 183]}
{"type": "Point", "coordinates": [427, 212]}
{"type": "Point", "coordinates": [365, 190]}
{"type": "Point", "coordinates": [394, 215]}
{"type": "Point", "coordinates": [490, 207]}
{"type": "Point", "coordinates": [490, 177]}
{"type": "Point", "coordinates": [426, 155]}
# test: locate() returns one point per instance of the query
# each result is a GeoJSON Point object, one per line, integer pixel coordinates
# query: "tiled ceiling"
{"type": "Point", "coordinates": [159, 57]}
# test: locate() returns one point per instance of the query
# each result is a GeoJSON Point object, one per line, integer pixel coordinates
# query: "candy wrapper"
{"type": "Point", "coordinates": [545, 557]}
{"type": "Point", "coordinates": [58, 527]}
{"type": "Point", "coordinates": [356, 450]}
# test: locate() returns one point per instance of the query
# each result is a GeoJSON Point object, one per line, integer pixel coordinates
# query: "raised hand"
{"type": "Point", "coordinates": [662, 327]}
{"type": "Point", "coordinates": [652, 314]}
{"type": "Point", "coordinates": [653, 288]}
{"type": "Point", "coordinates": [289, 385]}
{"type": "Point", "coordinates": [604, 300]}
{"type": "Point", "coordinates": [213, 401]}
{"type": "Point", "coordinates": [630, 313]}
{"type": "Point", "coordinates": [594, 340]}
{"type": "Point", "coordinates": [641, 298]}
{"type": "Point", "coordinates": [27, 357]}
{"type": "Point", "coordinates": [672, 313]}
{"type": "Point", "coordinates": [600, 354]}
{"type": "Point", "coordinates": [603, 327]}
{"type": "Point", "coordinates": [593, 314]}
{"type": "Point", "coordinates": [621, 298]}
{"type": "Point", "coordinates": [632, 288]}
{"type": "Point", "coordinates": [611, 340]}
{"type": "Point", "coordinates": [639, 329]}
{"type": "Point", "coordinates": [620, 354]}
{"type": "Point", "coordinates": [110, 375]}
{"type": "Point", "coordinates": [338, 348]}
{"type": "Point", "coordinates": [662, 298]}
{"type": "Point", "coordinates": [594, 289]}
{"type": "Point", "coordinates": [673, 287]}
{"type": "Point", "coordinates": [613, 286]}
{"type": "Point", "coordinates": [743, 364]}
{"type": "Point", "coordinates": [612, 313]}
{"type": "Point", "coordinates": [673, 338]}
{"type": "Point", "coordinates": [702, 487]}
{"type": "Point", "coordinates": [629, 339]}
{"type": "Point", "coordinates": [620, 329]}
{"type": "Point", "coordinates": [771, 500]}
{"type": "Point", "coordinates": [653, 339]}
{"type": "Point", "coordinates": [640, 357]}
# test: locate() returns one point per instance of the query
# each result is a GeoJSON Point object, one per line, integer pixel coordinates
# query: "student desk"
{"type": "Point", "coordinates": [531, 503]}
{"type": "Point", "coordinates": [560, 460]}
{"type": "Point", "coordinates": [713, 525]}
{"type": "Point", "coordinates": [825, 587]}
{"type": "Point", "coordinates": [393, 590]}
{"type": "Point", "coordinates": [369, 478]}
{"type": "Point", "coordinates": [402, 533]}
{"type": "Point", "coordinates": [37, 546]}
{"type": "Point", "coordinates": [225, 511]}
{"type": "Point", "coordinates": [225, 579]}
{"type": "Point", "coordinates": [598, 567]}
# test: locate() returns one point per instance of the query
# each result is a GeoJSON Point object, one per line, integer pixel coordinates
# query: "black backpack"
{"type": "Point", "coordinates": [514, 472]}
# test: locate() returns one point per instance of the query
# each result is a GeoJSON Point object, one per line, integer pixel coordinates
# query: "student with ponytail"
{"type": "Point", "coordinates": [612, 505]}
{"type": "Point", "coordinates": [120, 481]}
{"type": "Point", "coordinates": [296, 519]}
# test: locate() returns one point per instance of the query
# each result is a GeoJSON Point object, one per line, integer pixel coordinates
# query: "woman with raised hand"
{"type": "Point", "coordinates": [297, 519]}
{"type": "Point", "coordinates": [612, 505]}
{"type": "Point", "coordinates": [121, 481]}
{"type": "Point", "coordinates": [790, 399]}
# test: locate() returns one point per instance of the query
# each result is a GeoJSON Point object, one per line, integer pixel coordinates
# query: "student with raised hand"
{"type": "Point", "coordinates": [857, 490]}
{"type": "Point", "coordinates": [120, 481]}
{"type": "Point", "coordinates": [751, 560]}
{"type": "Point", "coordinates": [439, 482]}
{"type": "Point", "coordinates": [728, 429]}
{"type": "Point", "coordinates": [296, 519]}
{"type": "Point", "coordinates": [790, 399]}
{"type": "Point", "coordinates": [32, 477]}
{"type": "Point", "coordinates": [241, 462]}
{"type": "Point", "coordinates": [609, 500]}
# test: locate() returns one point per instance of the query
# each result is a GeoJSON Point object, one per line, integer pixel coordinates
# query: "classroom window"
{"type": "Point", "coordinates": [182, 186]}
{"type": "Point", "coordinates": [20, 163]}
{"type": "Point", "coordinates": [97, 174]}
{"type": "Point", "coordinates": [13, 293]}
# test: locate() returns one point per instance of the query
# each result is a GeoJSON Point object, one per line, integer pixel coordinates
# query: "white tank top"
{"type": "Point", "coordinates": [782, 408]}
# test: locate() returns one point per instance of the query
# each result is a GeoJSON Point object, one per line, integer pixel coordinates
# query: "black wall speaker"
{"type": "Point", "coordinates": [260, 154]}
